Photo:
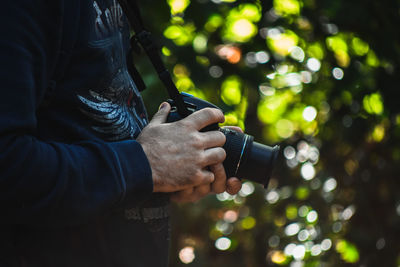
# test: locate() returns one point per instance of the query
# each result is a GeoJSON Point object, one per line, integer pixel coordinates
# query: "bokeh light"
{"type": "Point", "coordinates": [307, 171]}
{"type": "Point", "coordinates": [326, 244]}
{"type": "Point", "coordinates": [200, 43]}
{"type": "Point", "coordinates": [216, 71]}
{"type": "Point", "coordinates": [297, 53]}
{"type": "Point", "coordinates": [274, 241]}
{"type": "Point", "coordinates": [224, 227]}
{"type": "Point", "coordinates": [278, 257]}
{"type": "Point", "coordinates": [348, 251]}
{"type": "Point", "coordinates": [313, 64]}
{"type": "Point", "coordinates": [281, 43]}
{"type": "Point", "coordinates": [248, 223]}
{"type": "Point", "coordinates": [292, 229]}
{"type": "Point", "coordinates": [398, 209]}
{"type": "Point", "coordinates": [272, 197]}
{"type": "Point", "coordinates": [180, 34]}
{"type": "Point", "coordinates": [178, 6]}
{"type": "Point", "coordinates": [380, 243]}
{"type": "Point", "coordinates": [306, 77]}
{"type": "Point", "coordinates": [312, 216]}
{"type": "Point", "coordinates": [289, 152]}
{"type": "Point", "coordinates": [373, 103]}
{"type": "Point", "coordinates": [223, 243]}
{"type": "Point", "coordinates": [297, 263]}
{"type": "Point", "coordinates": [224, 196]}
{"type": "Point", "coordinates": [230, 216]}
{"type": "Point", "coordinates": [303, 211]}
{"type": "Point", "coordinates": [186, 255]}
{"type": "Point", "coordinates": [316, 250]}
{"type": "Point", "coordinates": [284, 128]}
{"type": "Point", "coordinates": [360, 47]}
{"type": "Point", "coordinates": [250, 59]}
{"type": "Point", "coordinates": [303, 235]}
{"type": "Point", "coordinates": [243, 28]}
{"type": "Point", "coordinates": [348, 212]}
{"type": "Point", "coordinates": [309, 113]}
{"type": "Point", "coordinates": [298, 252]}
{"type": "Point", "coordinates": [230, 53]}
{"type": "Point", "coordinates": [247, 189]}
{"type": "Point", "coordinates": [262, 57]}
{"type": "Point", "coordinates": [287, 7]}
{"type": "Point", "coordinates": [240, 23]}
{"type": "Point", "coordinates": [231, 92]}
{"type": "Point", "coordinates": [289, 249]}
{"type": "Point", "coordinates": [330, 185]}
{"type": "Point", "coordinates": [337, 73]}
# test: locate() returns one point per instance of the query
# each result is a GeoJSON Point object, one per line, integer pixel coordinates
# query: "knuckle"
{"type": "Point", "coordinates": [198, 175]}
{"type": "Point", "coordinates": [210, 178]}
{"type": "Point", "coordinates": [222, 136]}
{"type": "Point", "coordinates": [221, 153]}
{"type": "Point", "coordinates": [216, 137]}
{"type": "Point", "coordinates": [213, 114]}
{"type": "Point", "coordinates": [208, 111]}
{"type": "Point", "coordinates": [202, 159]}
{"type": "Point", "coordinates": [196, 140]}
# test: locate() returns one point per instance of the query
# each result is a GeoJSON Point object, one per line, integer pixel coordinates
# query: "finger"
{"type": "Point", "coordinates": [213, 156]}
{"type": "Point", "coordinates": [204, 117]}
{"type": "Point", "coordinates": [234, 128]}
{"type": "Point", "coordinates": [203, 177]}
{"type": "Point", "coordinates": [162, 114]}
{"type": "Point", "coordinates": [213, 139]}
{"type": "Point", "coordinates": [219, 184]}
{"type": "Point", "coordinates": [233, 185]}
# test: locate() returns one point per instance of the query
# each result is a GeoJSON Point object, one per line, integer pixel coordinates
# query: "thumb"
{"type": "Point", "coordinates": [233, 185]}
{"type": "Point", "coordinates": [162, 114]}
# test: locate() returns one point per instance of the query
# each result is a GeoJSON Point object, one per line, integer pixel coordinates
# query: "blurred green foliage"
{"type": "Point", "coordinates": [320, 77]}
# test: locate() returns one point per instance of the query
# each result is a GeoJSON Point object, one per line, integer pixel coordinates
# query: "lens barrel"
{"type": "Point", "coordinates": [247, 159]}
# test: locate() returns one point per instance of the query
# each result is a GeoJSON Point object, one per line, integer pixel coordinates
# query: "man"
{"type": "Point", "coordinates": [83, 175]}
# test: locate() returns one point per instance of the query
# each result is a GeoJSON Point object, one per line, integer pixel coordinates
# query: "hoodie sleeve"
{"type": "Point", "coordinates": [49, 182]}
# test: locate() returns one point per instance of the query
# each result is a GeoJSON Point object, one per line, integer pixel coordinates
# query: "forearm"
{"type": "Point", "coordinates": [58, 183]}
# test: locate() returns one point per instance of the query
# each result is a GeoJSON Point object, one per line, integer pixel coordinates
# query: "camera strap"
{"type": "Point", "coordinates": [145, 39]}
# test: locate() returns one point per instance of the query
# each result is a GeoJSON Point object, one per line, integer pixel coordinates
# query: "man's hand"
{"type": "Point", "coordinates": [221, 184]}
{"type": "Point", "coordinates": [179, 154]}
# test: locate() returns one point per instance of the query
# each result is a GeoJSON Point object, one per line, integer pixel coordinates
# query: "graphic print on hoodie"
{"type": "Point", "coordinates": [115, 106]}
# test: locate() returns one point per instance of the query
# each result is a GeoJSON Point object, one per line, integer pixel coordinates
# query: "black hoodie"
{"type": "Point", "coordinates": [74, 184]}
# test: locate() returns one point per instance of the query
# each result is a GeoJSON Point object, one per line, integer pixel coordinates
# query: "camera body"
{"type": "Point", "coordinates": [245, 159]}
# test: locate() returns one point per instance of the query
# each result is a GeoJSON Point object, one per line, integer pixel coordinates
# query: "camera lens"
{"type": "Point", "coordinates": [247, 159]}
